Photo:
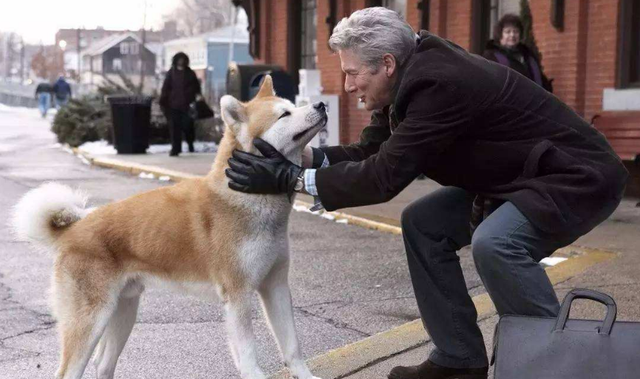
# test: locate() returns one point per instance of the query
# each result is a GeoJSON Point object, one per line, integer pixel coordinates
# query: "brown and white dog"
{"type": "Point", "coordinates": [198, 235]}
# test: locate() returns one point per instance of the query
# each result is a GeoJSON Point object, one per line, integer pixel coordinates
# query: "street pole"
{"type": "Point", "coordinates": [5, 55]}
{"type": "Point", "coordinates": [21, 60]}
{"type": "Point", "coordinates": [78, 48]}
{"type": "Point", "coordinates": [141, 49]}
{"type": "Point", "coordinates": [233, 34]}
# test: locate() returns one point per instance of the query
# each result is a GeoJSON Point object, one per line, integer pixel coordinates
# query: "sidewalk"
{"type": "Point", "coordinates": [606, 259]}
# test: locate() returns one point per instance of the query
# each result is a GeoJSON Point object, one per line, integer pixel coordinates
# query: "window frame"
{"type": "Point", "coordinates": [481, 11]}
{"type": "Point", "coordinates": [306, 56]}
{"type": "Point", "coordinates": [629, 35]}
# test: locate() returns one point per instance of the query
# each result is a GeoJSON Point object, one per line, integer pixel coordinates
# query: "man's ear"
{"type": "Point", "coordinates": [389, 64]}
{"type": "Point", "coordinates": [233, 113]}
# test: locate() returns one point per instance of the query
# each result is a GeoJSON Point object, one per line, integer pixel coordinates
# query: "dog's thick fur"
{"type": "Point", "coordinates": [198, 235]}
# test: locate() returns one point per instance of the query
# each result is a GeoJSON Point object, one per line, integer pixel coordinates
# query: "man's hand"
{"type": "Point", "coordinates": [272, 173]}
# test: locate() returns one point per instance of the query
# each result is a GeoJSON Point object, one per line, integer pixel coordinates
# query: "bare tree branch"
{"type": "Point", "coordinates": [201, 16]}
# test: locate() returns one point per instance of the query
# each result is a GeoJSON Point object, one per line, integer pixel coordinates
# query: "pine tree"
{"type": "Point", "coordinates": [527, 28]}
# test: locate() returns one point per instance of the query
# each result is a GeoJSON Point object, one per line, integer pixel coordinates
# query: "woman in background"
{"type": "Point", "coordinates": [507, 49]}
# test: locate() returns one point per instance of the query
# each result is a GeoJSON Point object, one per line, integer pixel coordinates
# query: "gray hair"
{"type": "Point", "coordinates": [373, 32]}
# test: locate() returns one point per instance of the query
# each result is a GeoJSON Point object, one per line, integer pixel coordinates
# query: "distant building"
{"type": "Point", "coordinates": [209, 54]}
{"type": "Point", "coordinates": [87, 37]}
{"type": "Point", "coordinates": [120, 53]}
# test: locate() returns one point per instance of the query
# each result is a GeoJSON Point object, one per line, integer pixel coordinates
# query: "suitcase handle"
{"type": "Point", "coordinates": [600, 297]}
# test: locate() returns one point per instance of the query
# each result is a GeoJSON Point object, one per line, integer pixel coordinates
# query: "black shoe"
{"type": "Point", "coordinates": [430, 370]}
{"type": "Point", "coordinates": [173, 154]}
{"type": "Point", "coordinates": [191, 149]}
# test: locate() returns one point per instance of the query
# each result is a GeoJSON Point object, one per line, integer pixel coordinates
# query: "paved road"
{"type": "Point", "coordinates": [348, 282]}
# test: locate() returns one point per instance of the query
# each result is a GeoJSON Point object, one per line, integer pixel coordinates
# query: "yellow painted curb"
{"type": "Point", "coordinates": [135, 168]}
{"type": "Point", "coordinates": [349, 359]}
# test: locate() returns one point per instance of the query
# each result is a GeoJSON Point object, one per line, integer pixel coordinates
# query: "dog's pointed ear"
{"type": "Point", "coordinates": [233, 112]}
{"type": "Point", "coordinates": [266, 89]}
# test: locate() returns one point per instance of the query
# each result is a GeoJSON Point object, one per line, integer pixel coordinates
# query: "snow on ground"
{"type": "Point", "coordinates": [103, 148]}
{"type": "Point", "coordinates": [31, 112]}
{"type": "Point", "coordinates": [6, 108]}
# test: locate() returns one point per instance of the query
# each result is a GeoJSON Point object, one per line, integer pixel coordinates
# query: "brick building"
{"type": "Point", "coordinates": [590, 47]}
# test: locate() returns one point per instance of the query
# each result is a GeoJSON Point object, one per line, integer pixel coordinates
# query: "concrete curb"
{"type": "Point", "coordinates": [349, 359]}
{"type": "Point", "coordinates": [134, 168]}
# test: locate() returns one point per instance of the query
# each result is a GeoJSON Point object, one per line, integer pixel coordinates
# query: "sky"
{"type": "Point", "coordinates": [38, 20]}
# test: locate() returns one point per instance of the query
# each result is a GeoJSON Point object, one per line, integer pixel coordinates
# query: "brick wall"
{"type": "Point", "coordinates": [449, 18]}
{"type": "Point", "coordinates": [458, 22]}
{"type": "Point", "coordinates": [582, 58]}
{"type": "Point", "coordinates": [601, 57]}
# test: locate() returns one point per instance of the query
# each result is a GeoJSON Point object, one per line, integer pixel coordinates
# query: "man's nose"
{"type": "Point", "coordinates": [319, 106]}
{"type": "Point", "coordinates": [349, 87]}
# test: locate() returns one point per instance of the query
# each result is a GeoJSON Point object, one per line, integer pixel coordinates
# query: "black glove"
{"type": "Point", "coordinates": [272, 173]}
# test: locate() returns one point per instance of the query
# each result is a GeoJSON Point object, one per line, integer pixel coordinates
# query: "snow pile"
{"type": "Point", "coordinates": [200, 147]}
{"type": "Point", "coordinates": [97, 148]}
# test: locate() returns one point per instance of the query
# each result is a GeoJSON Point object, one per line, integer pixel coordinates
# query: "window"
{"type": "Point", "coordinates": [399, 6]}
{"type": "Point", "coordinates": [117, 64]}
{"type": "Point", "coordinates": [481, 17]}
{"type": "Point", "coordinates": [629, 54]}
{"type": "Point", "coordinates": [425, 13]}
{"type": "Point", "coordinates": [132, 48]}
{"type": "Point", "coordinates": [308, 28]}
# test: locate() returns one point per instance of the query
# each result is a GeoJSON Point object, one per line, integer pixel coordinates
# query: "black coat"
{"type": "Point", "coordinates": [467, 122]}
{"type": "Point", "coordinates": [179, 89]}
{"type": "Point", "coordinates": [520, 59]}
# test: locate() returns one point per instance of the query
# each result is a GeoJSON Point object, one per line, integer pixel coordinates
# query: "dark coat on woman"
{"type": "Point", "coordinates": [521, 59]}
{"type": "Point", "coordinates": [180, 87]}
{"type": "Point", "coordinates": [468, 122]}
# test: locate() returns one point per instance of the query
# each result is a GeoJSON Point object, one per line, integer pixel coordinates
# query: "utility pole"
{"type": "Point", "coordinates": [5, 55]}
{"type": "Point", "coordinates": [142, 47]}
{"type": "Point", "coordinates": [234, 18]}
{"type": "Point", "coordinates": [78, 49]}
{"type": "Point", "coordinates": [21, 60]}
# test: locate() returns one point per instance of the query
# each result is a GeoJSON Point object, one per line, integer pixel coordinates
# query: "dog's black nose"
{"type": "Point", "coordinates": [319, 106]}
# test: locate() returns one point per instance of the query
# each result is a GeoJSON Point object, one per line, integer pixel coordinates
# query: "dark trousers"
{"type": "Point", "coordinates": [506, 250]}
{"type": "Point", "coordinates": [181, 122]}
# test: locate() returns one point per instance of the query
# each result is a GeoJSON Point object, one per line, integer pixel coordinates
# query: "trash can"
{"type": "Point", "coordinates": [131, 117]}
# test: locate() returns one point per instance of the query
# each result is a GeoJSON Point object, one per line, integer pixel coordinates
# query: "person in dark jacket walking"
{"type": "Point", "coordinates": [180, 88]}
{"type": "Point", "coordinates": [507, 48]}
{"type": "Point", "coordinates": [62, 92]}
{"type": "Point", "coordinates": [44, 91]}
{"type": "Point", "coordinates": [522, 176]}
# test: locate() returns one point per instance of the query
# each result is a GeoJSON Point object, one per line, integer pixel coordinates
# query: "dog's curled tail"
{"type": "Point", "coordinates": [44, 212]}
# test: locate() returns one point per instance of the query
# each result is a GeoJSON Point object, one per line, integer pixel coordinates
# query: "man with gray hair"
{"type": "Point", "coordinates": [522, 176]}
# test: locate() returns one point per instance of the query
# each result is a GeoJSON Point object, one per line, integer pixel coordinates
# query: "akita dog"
{"type": "Point", "coordinates": [198, 235]}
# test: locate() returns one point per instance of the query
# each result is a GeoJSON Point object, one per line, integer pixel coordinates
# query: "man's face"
{"type": "Point", "coordinates": [181, 64]}
{"type": "Point", "coordinates": [510, 36]}
{"type": "Point", "coordinates": [373, 88]}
